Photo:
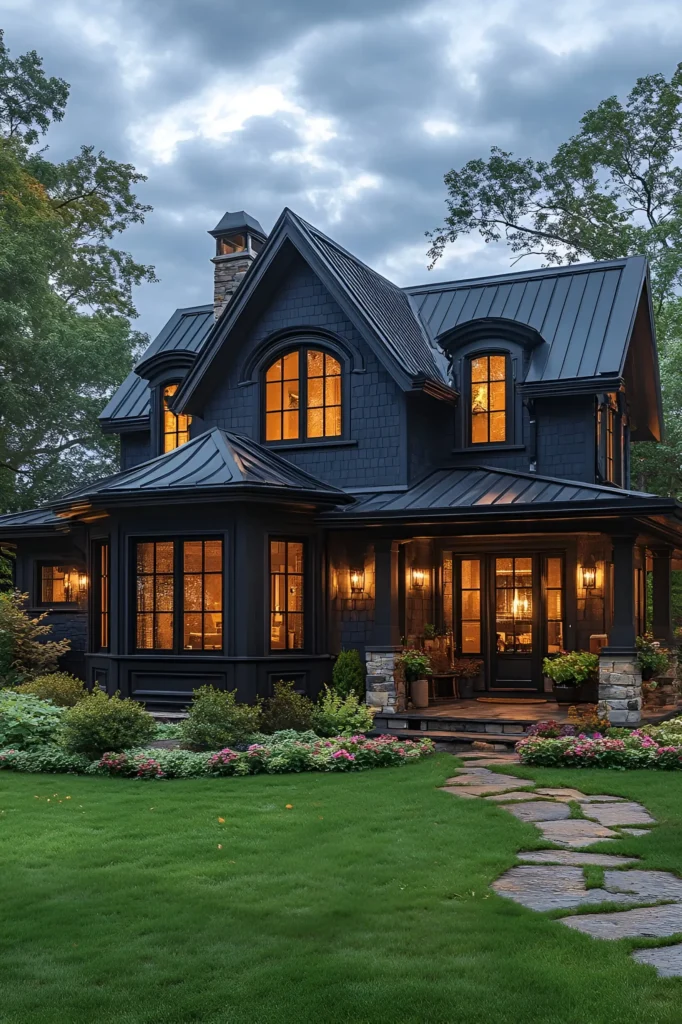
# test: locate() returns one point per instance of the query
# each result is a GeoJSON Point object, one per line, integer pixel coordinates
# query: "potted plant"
{"type": "Point", "coordinates": [569, 671]}
{"type": "Point", "coordinates": [416, 666]}
{"type": "Point", "coordinates": [466, 670]}
{"type": "Point", "coordinates": [653, 660]}
{"type": "Point", "coordinates": [429, 635]}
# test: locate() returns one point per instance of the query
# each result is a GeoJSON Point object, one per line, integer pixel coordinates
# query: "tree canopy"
{"type": "Point", "coordinates": [66, 302]}
{"type": "Point", "coordinates": [614, 189]}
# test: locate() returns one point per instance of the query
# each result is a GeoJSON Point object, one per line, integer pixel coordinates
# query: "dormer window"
{"type": "Point", "coordinates": [175, 429]}
{"type": "Point", "coordinates": [303, 396]}
{"type": "Point", "coordinates": [488, 399]}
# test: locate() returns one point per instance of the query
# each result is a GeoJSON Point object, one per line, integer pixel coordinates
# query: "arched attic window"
{"type": "Point", "coordinates": [303, 396]}
{"type": "Point", "coordinates": [175, 428]}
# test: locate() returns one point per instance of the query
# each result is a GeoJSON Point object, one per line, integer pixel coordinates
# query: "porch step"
{"type": "Point", "coordinates": [479, 728]}
{"type": "Point", "coordinates": [454, 741]}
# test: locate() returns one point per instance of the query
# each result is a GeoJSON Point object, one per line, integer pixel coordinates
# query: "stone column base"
{"type": "Point", "coordinates": [620, 688]}
{"type": "Point", "coordinates": [380, 680]}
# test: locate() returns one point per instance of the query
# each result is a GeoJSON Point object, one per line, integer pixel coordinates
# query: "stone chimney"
{"type": "Point", "coordinates": [239, 239]}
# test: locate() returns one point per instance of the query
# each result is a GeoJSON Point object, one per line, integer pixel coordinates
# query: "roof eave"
{"type": "Point", "coordinates": [129, 425]}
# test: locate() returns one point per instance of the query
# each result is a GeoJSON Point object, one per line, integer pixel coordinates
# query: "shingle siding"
{"type": "Point", "coordinates": [376, 402]}
{"type": "Point", "coordinates": [135, 448]}
{"type": "Point", "coordinates": [567, 438]}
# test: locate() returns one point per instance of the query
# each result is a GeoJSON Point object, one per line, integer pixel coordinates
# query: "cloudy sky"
{"type": "Point", "coordinates": [349, 112]}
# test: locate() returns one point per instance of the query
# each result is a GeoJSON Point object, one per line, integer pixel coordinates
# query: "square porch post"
{"type": "Point", "coordinates": [380, 655]}
{"type": "Point", "coordinates": [662, 625]}
{"type": "Point", "coordinates": [620, 680]}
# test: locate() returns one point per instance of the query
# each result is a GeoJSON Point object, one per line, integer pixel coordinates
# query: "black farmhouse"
{"type": "Point", "coordinates": [320, 460]}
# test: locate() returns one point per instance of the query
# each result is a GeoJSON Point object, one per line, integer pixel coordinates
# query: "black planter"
{"type": "Point", "coordinates": [465, 688]}
{"type": "Point", "coordinates": [566, 694]}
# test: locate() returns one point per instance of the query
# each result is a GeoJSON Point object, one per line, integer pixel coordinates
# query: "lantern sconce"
{"type": "Point", "coordinates": [357, 581]}
{"type": "Point", "coordinates": [589, 574]}
{"type": "Point", "coordinates": [82, 582]}
{"type": "Point", "coordinates": [418, 578]}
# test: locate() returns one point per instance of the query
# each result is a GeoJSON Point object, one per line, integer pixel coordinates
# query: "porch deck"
{"type": "Point", "coordinates": [463, 722]}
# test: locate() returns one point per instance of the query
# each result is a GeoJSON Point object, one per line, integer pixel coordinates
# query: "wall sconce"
{"type": "Point", "coordinates": [589, 574]}
{"type": "Point", "coordinates": [357, 581]}
{"type": "Point", "coordinates": [82, 582]}
{"type": "Point", "coordinates": [418, 578]}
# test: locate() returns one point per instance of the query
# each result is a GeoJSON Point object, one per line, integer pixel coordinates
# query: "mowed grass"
{"type": "Point", "coordinates": [367, 900]}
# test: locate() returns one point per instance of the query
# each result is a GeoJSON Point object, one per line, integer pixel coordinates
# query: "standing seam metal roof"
{"type": "Point", "coordinates": [187, 331]}
{"type": "Point", "coordinates": [584, 313]}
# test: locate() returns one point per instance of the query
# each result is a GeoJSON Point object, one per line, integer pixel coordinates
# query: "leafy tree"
{"type": "Point", "coordinates": [66, 340]}
{"type": "Point", "coordinates": [614, 189]}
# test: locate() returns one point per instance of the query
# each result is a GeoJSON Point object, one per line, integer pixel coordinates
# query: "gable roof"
{"type": "Point", "coordinates": [379, 310]}
{"type": "Point", "coordinates": [215, 464]}
{"type": "Point", "coordinates": [185, 331]}
{"type": "Point", "coordinates": [584, 312]}
{"type": "Point", "coordinates": [484, 490]}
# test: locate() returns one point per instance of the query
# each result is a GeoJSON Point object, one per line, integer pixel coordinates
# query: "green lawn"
{"type": "Point", "coordinates": [368, 900]}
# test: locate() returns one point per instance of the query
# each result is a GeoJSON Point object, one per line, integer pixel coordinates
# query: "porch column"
{"type": "Point", "coordinates": [620, 680]}
{"type": "Point", "coordinates": [381, 653]}
{"type": "Point", "coordinates": [662, 626]}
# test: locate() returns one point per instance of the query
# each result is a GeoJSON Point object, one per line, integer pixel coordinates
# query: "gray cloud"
{"type": "Point", "coordinates": [513, 73]}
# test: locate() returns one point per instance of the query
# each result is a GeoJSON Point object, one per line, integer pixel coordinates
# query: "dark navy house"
{"type": "Point", "coordinates": [320, 460]}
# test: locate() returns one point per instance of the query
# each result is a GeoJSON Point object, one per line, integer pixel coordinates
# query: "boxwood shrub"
{"type": "Point", "coordinates": [100, 723]}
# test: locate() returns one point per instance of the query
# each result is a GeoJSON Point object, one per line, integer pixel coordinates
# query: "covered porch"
{"type": "Point", "coordinates": [498, 587]}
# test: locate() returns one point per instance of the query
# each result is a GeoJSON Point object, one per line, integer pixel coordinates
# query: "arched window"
{"type": "Point", "coordinates": [303, 396]}
{"type": "Point", "coordinates": [175, 428]}
{"type": "Point", "coordinates": [488, 403]}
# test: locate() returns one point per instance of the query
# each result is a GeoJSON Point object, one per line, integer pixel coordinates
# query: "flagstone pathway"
{"type": "Point", "coordinates": [554, 879]}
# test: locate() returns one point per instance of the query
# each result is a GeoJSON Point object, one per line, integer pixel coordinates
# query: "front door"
{"type": "Point", "coordinates": [515, 637]}
{"type": "Point", "coordinates": [507, 609]}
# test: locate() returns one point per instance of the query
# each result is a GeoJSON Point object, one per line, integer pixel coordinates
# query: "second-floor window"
{"type": "Point", "coordinates": [611, 441]}
{"type": "Point", "coordinates": [175, 428]}
{"type": "Point", "coordinates": [488, 399]}
{"type": "Point", "coordinates": [303, 396]}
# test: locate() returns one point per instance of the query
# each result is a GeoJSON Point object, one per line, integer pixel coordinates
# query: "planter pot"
{"type": "Point", "coordinates": [566, 694]}
{"type": "Point", "coordinates": [589, 692]}
{"type": "Point", "coordinates": [419, 692]}
{"type": "Point", "coordinates": [465, 687]}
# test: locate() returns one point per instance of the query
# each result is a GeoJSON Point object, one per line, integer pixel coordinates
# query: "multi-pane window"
{"type": "Point", "coordinates": [61, 584]}
{"type": "Point", "coordinates": [154, 593]}
{"type": "Point", "coordinates": [554, 604]}
{"type": "Point", "coordinates": [514, 605]}
{"type": "Point", "coordinates": [610, 441]}
{"type": "Point", "coordinates": [175, 428]}
{"type": "Point", "coordinates": [186, 576]}
{"type": "Point", "coordinates": [202, 588]}
{"type": "Point", "coordinates": [488, 399]}
{"type": "Point", "coordinates": [303, 396]}
{"type": "Point", "coordinates": [100, 593]}
{"type": "Point", "coordinates": [286, 595]}
{"type": "Point", "coordinates": [470, 606]}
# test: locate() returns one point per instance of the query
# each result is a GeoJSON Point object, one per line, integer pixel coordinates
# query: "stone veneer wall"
{"type": "Point", "coordinates": [620, 688]}
{"type": "Point", "coordinates": [381, 689]}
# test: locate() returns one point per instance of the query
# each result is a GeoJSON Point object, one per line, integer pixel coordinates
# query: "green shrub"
{"type": "Point", "coordinates": [287, 710]}
{"type": "Point", "coordinates": [349, 674]}
{"type": "Point", "coordinates": [168, 731]}
{"type": "Point", "coordinates": [23, 652]}
{"type": "Point", "coordinates": [62, 689]}
{"type": "Point", "coordinates": [572, 668]}
{"type": "Point", "coordinates": [216, 720]}
{"type": "Point", "coordinates": [44, 759]}
{"type": "Point", "coordinates": [26, 721]}
{"type": "Point", "coordinates": [100, 723]}
{"type": "Point", "coordinates": [341, 716]}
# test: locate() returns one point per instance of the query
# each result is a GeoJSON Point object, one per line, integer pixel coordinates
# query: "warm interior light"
{"type": "Point", "coordinates": [82, 581]}
{"type": "Point", "coordinates": [589, 576]}
{"type": "Point", "coordinates": [418, 579]}
{"type": "Point", "coordinates": [520, 607]}
{"type": "Point", "coordinates": [357, 581]}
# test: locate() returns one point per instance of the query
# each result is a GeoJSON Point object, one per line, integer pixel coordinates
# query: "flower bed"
{"type": "Point", "coordinates": [341, 753]}
{"type": "Point", "coordinates": [637, 750]}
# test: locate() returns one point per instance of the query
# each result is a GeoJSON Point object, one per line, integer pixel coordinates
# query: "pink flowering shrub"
{"type": "Point", "coordinates": [637, 750]}
{"type": "Point", "coordinates": [140, 766]}
{"type": "Point", "coordinates": [340, 753]}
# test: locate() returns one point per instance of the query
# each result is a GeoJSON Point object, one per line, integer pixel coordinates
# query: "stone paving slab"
{"type": "Point", "coordinates": [605, 860]}
{"type": "Point", "coordinates": [538, 810]}
{"type": "Point", "coordinates": [646, 885]}
{"type": "Point", "coordinates": [624, 813]}
{"type": "Point", "coordinates": [667, 959]}
{"type": "Point", "coordinates": [541, 887]}
{"type": "Point", "coordinates": [486, 762]}
{"type": "Point", "coordinates": [644, 923]}
{"type": "Point", "coordinates": [503, 798]}
{"type": "Point", "coordinates": [474, 755]}
{"type": "Point", "coordinates": [474, 790]}
{"type": "Point", "coordinates": [490, 779]}
{"type": "Point", "coordinates": [636, 831]}
{"type": "Point", "coordinates": [576, 832]}
{"type": "Point", "coordinates": [562, 794]}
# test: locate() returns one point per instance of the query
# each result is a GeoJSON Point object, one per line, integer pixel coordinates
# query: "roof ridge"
{"type": "Point", "coordinates": [518, 276]}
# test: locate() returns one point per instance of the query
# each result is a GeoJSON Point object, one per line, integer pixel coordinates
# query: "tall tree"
{"type": "Point", "coordinates": [614, 189]}
{"type": "Point", "coordinates": [66, 303]}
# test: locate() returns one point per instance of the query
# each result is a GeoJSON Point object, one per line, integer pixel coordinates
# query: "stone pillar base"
{"type": "Point", "coordinates": [620, 688]}
{"type": "Point", "coordinates": [380, 680]}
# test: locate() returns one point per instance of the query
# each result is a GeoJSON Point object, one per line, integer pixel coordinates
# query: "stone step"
{"type": "Point", "coordinates": [410, 720]}
{"type": "Point", "coordinates": [455, 740]}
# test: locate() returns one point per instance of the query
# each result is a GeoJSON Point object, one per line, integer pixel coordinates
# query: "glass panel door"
{"type": "Point", "coordinates": [514, 605]}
